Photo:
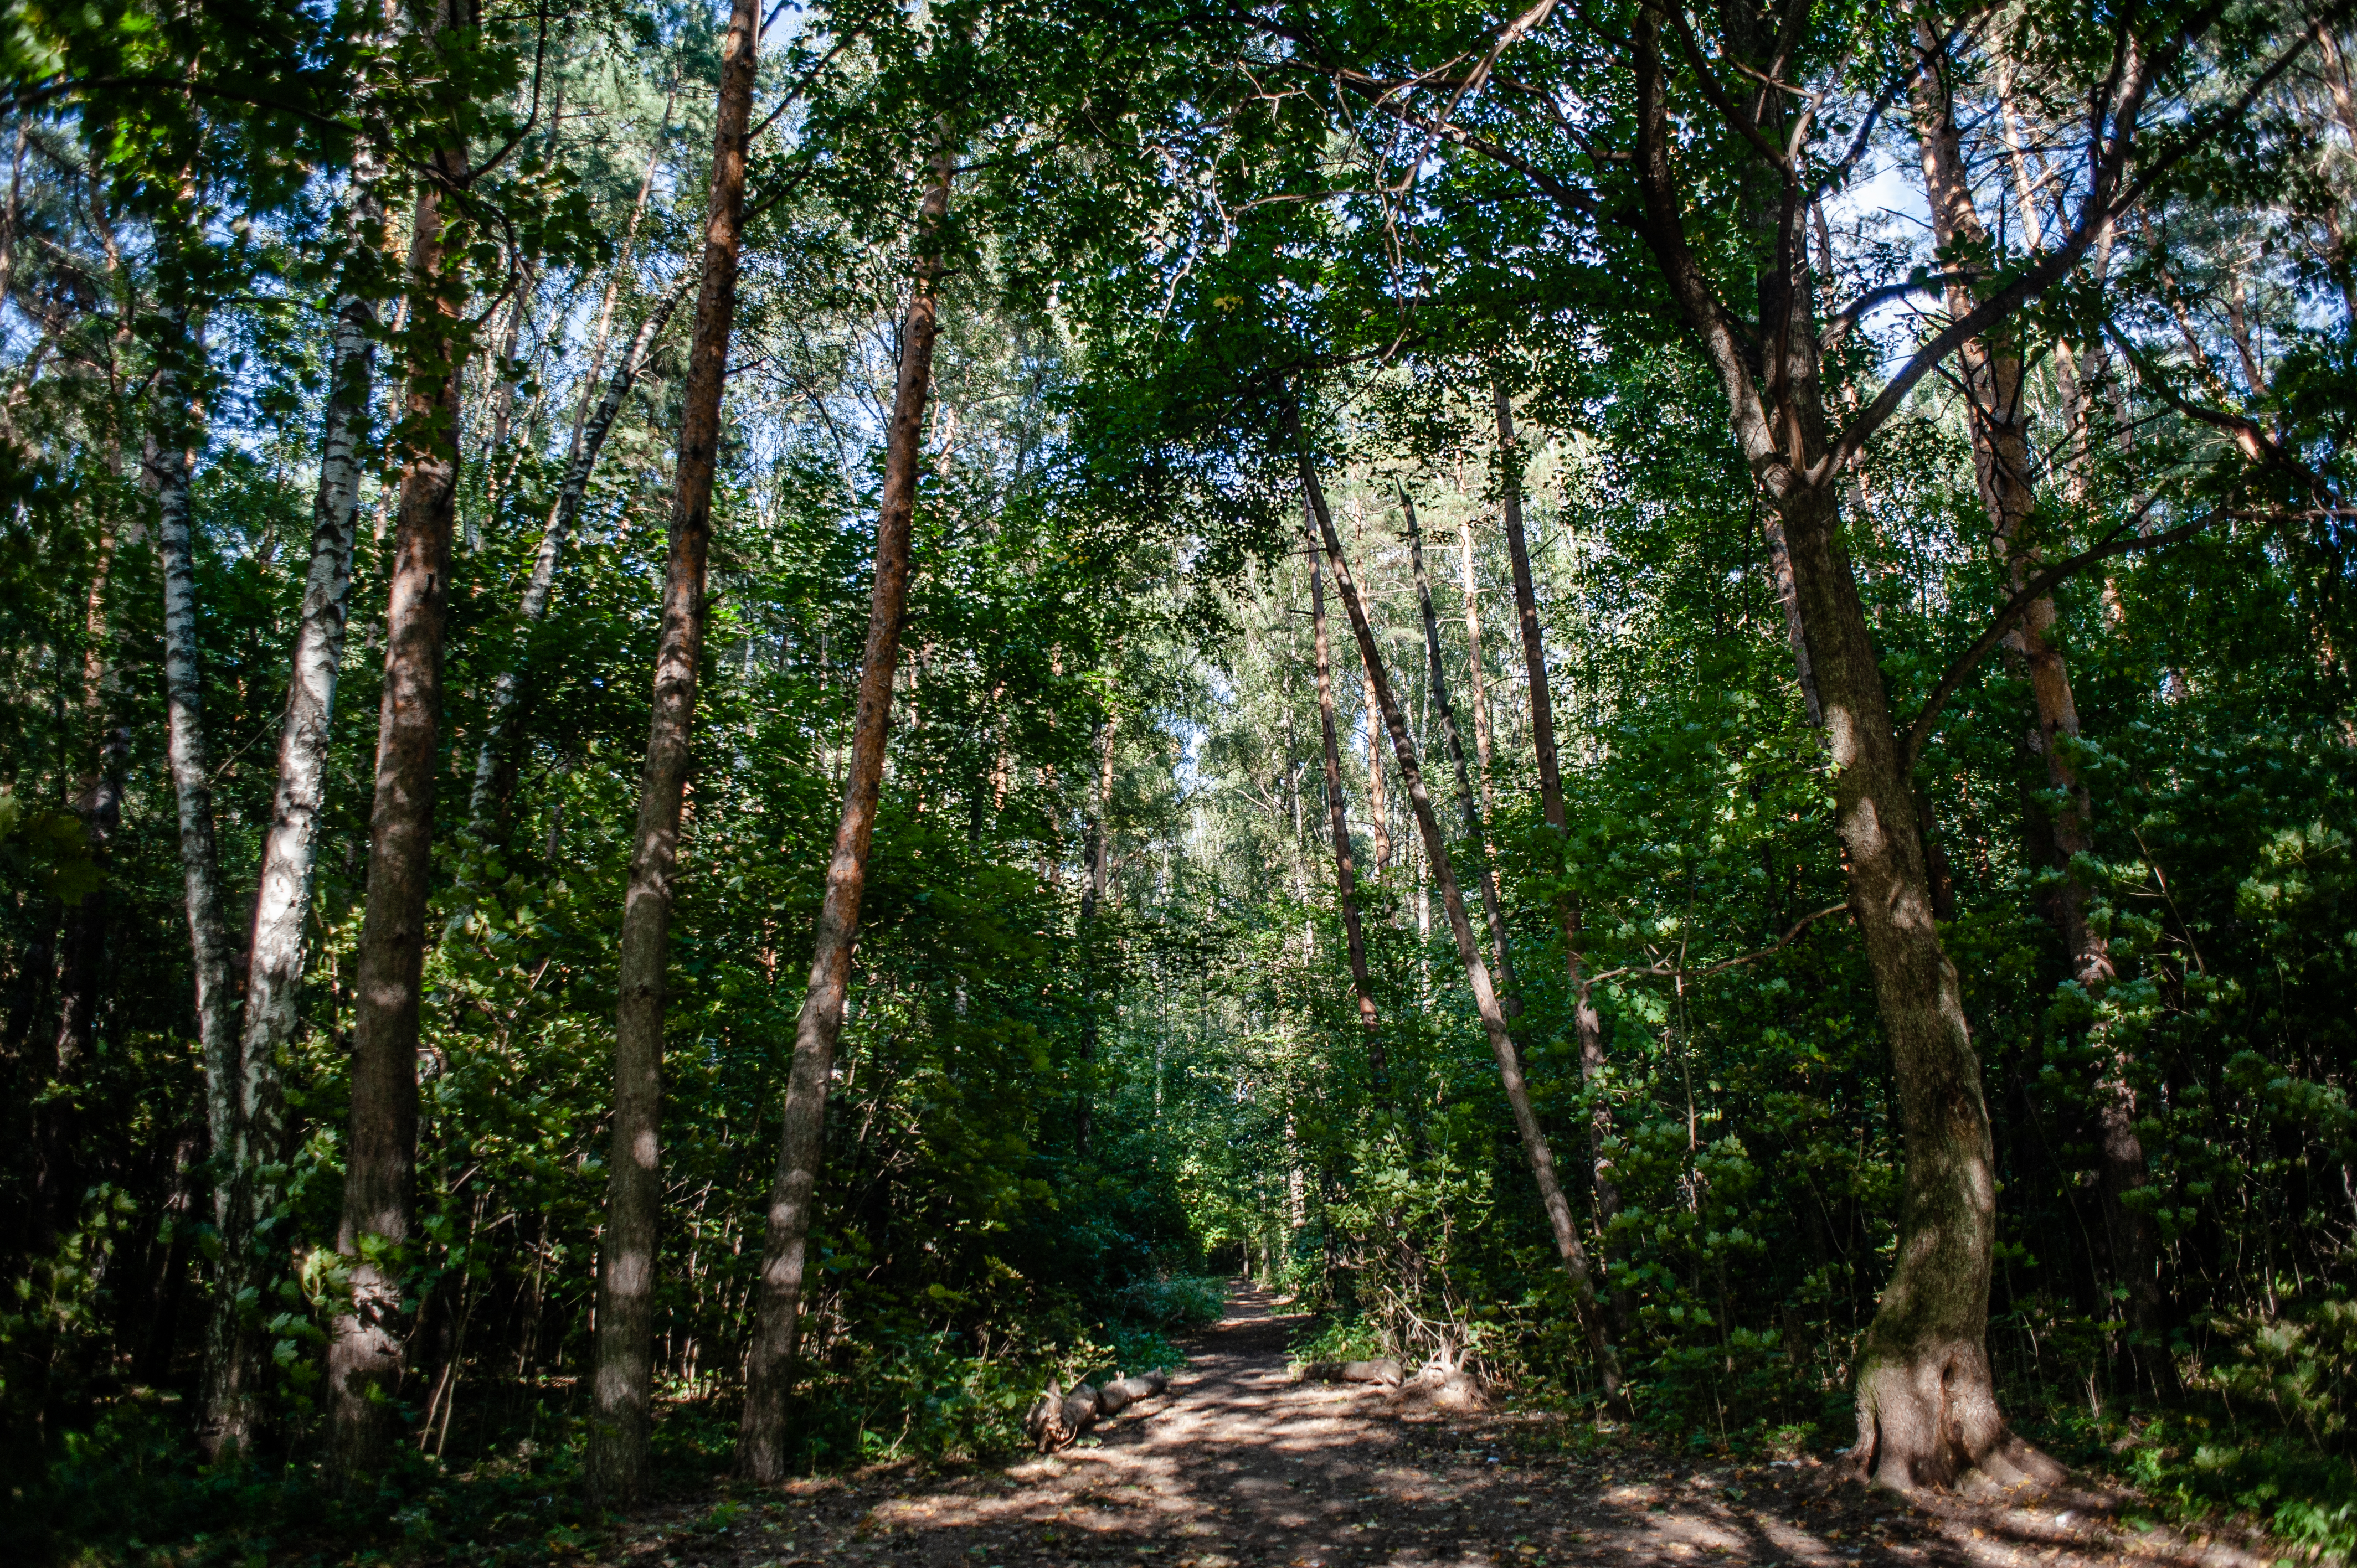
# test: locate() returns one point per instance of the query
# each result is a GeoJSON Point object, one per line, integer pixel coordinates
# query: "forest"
{"type": "Point", "coordinates": [728, 730]}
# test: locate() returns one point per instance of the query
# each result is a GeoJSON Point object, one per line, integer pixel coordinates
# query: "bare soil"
{"type": "Point", "coordinates": [1238, 1466]}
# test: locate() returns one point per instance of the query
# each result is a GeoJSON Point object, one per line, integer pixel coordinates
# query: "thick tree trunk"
{"type": "Point", "coordinates": [1927, 1406]}
{"type": "Point", "coordinates": [1586, 1025]}
{"type": "Point", "coordinates": [1346, 875]}
{"type": "Point", "coordinates": [1091, 897]}
{"type": "Point", "coordinates": [761, 1438]}
{"type": "Point", "coordinates": [623, 1394]}
{"type": "Point", "coordinates": [282, 901]}
{"type": "Point", "coordinates": [1536, 1149]}
{"type": "Point", "coordinates": [365, 1342]}
{"type": "Point", "coordinates": [590, 439]}
{"type": "Point", "coordinates": [1996, 388]}
{"type": "Point", "coordinates": [1500, 951]}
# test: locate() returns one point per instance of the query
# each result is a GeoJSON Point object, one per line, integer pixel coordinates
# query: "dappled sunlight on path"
{"type": "Point", "coordinates": [1240, 1467]}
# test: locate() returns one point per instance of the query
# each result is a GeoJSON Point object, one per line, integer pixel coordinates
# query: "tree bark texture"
{"type": "Point", "coordinates": [1587, 1027]}
{"type": "Point", "coordinates": [761, 1438]}
{"type": "Point", "coordinates": [365, 1342]}
{"type": "Point", "coordinates": [1536, 1149]}
{"type": "Point", "coordinates": [1346, 875]}
{"type": "Point", "coordinates": [1996, 385]}
{"type": "Point", "coordinates": [282, 902]}
{"type": "Point", "coordinates": [623, 1392]}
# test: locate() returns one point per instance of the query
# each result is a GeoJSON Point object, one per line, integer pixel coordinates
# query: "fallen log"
{"type": "Point", "coordinates": [1385, 1371]}
{"type": "Point", "coordinates": [1122, 1392]}
{"type": "Point", "coordinates": [1058, 1420]}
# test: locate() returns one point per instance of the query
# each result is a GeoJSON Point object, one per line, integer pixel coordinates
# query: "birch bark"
{"type": "Point", "coordinates": [282, 901]}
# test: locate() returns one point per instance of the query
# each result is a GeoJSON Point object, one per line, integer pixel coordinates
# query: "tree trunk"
{"type": "Point", "coordinates": [1476, 679]}
{"type": "Point", "coordinates": [1586, 1025]}
{"type": "Point", "coordinates": [1346, 875]}
{"type": "Point", "coordinates": [761, 1438]}
{"type": "Point", "coordinates": [590, 439]}
{"type": "Point", "coordinates": [1927, 1405]}
{"type": "Point", "coordinates": [365, 1342]}
{"type": "Point", "coordinates": [1378, 802]}
{"type": "Point", "coordinates": [623, 1395]}
{"type": "Point", "coordinates": [281, 901]}
{"type": "Point", "coordinates": [1092, 895]}
{"type": "Point", "coordinates": [1500, 951]}
{"type": "Point", "coordinates": [1995, 387]}
{"type": "Point", "coordinates": [169, 466]}
{"type": "Point", "coordinates": [1477, 973]}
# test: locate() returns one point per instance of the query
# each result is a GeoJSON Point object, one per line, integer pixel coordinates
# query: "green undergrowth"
{"type": "Point", "coordinates": [129, 1490]}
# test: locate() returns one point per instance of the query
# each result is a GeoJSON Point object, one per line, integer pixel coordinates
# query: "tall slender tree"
{"type": "Point", "coordinates": [1346, 875]}
{"type": "Point", "coordinates": [761, 1435]}
{"type": "Point", "coordinates": [281, 899]}
{"type": "Point", "coordinates": [1587, 1027]}
{"type": "Point", "coordinates": [1536, 1151]}
{"type": "Point", "coordinates": [366, 1341]}
{"type": "Point", "coordinates": [623, 1395]}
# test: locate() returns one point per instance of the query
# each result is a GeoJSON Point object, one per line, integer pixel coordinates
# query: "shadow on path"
{"type": "Point", "coordinates": [1238, 1464]}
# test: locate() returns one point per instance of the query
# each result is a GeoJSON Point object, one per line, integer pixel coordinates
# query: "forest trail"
{"type": "Point", "coordinates": [1241, 1466]}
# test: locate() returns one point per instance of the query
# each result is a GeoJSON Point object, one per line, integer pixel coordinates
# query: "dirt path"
{"type": "Point", "coordinates": [1239, 1466]}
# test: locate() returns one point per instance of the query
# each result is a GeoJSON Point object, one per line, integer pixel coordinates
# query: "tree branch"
{"type": "Point", "coordinates": [2119, 543]}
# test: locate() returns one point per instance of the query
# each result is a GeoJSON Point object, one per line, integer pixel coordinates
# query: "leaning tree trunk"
{"type": "Point", "coordinates": [1346, 875]}
{"type": "Point", "coordinates": [761, 1435]}
{"type": "Point", "coordinates": [1501, 952]}
{"type": "Point", "coordinates": [1996, 388]}
{"type": "Point", "coordinates": [365, 1341]}
{"type": "Point", "coordinates": [1568, 1249]}
{"type": "Point", "coordinates": [282, 901]}
{"type": "Point", "coordinates": [623, 1394]}
{"type": "Point", "coordinates": [1586, 1025]}
{"type": "Point", "coordinates": [590, 439]}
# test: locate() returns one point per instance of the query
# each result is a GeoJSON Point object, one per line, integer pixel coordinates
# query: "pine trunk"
{"type": "Point", "coordinates": [761, 1438]}
{"type": "Point", "coordinates": [1573, 1256]}
{"type": "Point", "coordinates": [623, 1394]}
{"type": "Point", "coordinates": [365, 1349]}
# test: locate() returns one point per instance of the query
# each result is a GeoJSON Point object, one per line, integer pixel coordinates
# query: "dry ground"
{"type": "Point", "coordinates": [1240, 1467]}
